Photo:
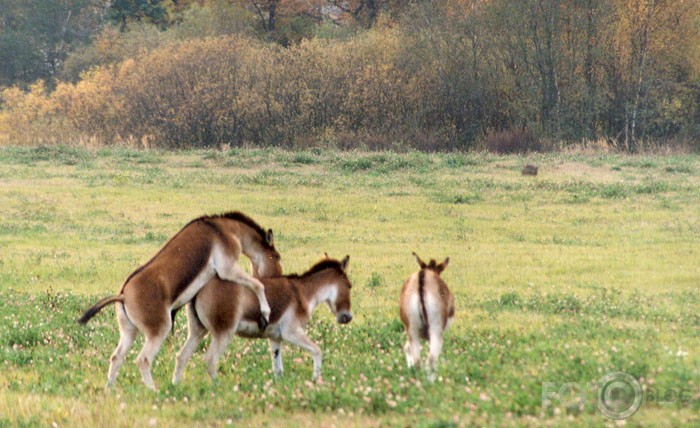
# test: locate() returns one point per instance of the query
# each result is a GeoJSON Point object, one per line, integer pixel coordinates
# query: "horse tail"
{"type": "Point", "coordinates": [421, 295]}
{"type": "Point", "coordinates": [172, 319]}
{"type": "Point", "coordinates": [98, 307]}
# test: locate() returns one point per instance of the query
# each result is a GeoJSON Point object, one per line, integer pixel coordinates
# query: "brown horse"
{"type": "Point", "coordinates": [426, 309]}
{"type": "Point", "coordinates": [205, 248]}
{"type": "Point", "coordinates": [225, 308]}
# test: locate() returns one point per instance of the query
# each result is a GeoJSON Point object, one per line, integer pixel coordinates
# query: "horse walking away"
{"type": "Point", "coordinates": [426, 308]}
{"type": "Point", "coordinates": [224, 308]}
{"type": "Point", "coordinates": [205, 248]}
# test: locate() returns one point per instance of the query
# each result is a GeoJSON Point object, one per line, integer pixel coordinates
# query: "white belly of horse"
{"type": "Point", "coordinates": [251, 330]}
{"type": "Point", "coordinates": [248, 329]}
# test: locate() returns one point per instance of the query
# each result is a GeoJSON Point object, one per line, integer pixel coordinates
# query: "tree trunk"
{"type": "Point", "coordinates": [371, 13]}
{"type": "Point", "coordinates": [589, 115]}
{"type": "Point", "coordinates": [272, 16]}
{"type": "Point", "coordinates": [643, 51]}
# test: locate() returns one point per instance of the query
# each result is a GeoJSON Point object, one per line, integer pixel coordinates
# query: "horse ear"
{"type": "Point", "coordinates": [441, 267]}
{"type": "Point", "coordinates": [326, 255]}
{"type": "Point", "coordinates": [270, 238]}
{"type": "Point", "coordinates": [344, 263]}
{"type": "Point", "coordinates": [420, 262]}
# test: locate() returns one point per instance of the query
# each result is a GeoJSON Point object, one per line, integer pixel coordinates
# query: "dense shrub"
{"type": "Point", "coordinates": [236, 91]}
{"type": "Point", "coordinates": [31, 117]}
{"type": "Point", "coordinates": [515, 140]}
{"type": "Point", "coordinates": [449, 74]}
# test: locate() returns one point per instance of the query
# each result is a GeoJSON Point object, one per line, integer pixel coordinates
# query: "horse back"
{"type": "Point", "coordinates": [430, 299]}
{"type": "Point", "coordinates": [281, 293]}
{"type": "Point", "coordinates": [184, 257]}
{"type": "Point", "coordinates": [223, 304]}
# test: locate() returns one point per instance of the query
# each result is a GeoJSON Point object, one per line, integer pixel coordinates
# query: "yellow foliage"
{"type": "Point", "coordinates": [423, 87]}
{"type": "Point", "coordinates": [31, 117]}
{"type": "Point", "coordinates": [233, 90]}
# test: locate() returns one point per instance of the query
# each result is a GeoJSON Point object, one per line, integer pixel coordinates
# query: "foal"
{"type": "Point", "coordinates": [426, 308]}
{"type": "Point", "coordinates": [205, 248]}
{"type": "Point", "coordinates": [225, 308]}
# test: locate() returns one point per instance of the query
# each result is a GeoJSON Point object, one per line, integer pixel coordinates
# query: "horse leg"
{"type": "Point", "coordinates": [412, 348]}
{"type": "Point", "coordinates": [407, 351]}
{"type": "Point", "coordinates": [434, 354]}
{"type": "Point", "coordinates": [230, 271]}
{"type": "Point", "coordinates": [195, 335]}
{"type": "Point", "coordinates": [127, 334]}
{"type": "Point", "coordinates": [219, 342]}
{"type": "Point", "coordinates": [276, 351]}
{"type": "Point", "coordinates": [299, 338]}
{"type": "Point", "coordinates": [154, 340]}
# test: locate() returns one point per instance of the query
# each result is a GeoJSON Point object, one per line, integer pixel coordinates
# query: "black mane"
{"type": "Point", "coordinates": [231, 215]}
{"type": "Point", "coordinates": [318, 267]}
{"type": "Point", "coordinates": [242, 218]}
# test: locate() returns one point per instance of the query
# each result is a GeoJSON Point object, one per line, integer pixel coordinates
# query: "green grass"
{"type": "Point", "coordinates": [589, 268]}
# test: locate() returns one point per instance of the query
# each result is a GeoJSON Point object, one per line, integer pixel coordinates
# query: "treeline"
{"type": "Point", "coordinates": [432, 75]}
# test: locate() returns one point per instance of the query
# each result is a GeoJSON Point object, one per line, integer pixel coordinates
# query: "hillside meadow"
{"type": "Point", "coordinates": [589, 268]}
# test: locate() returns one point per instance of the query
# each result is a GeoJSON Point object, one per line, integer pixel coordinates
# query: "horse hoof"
{"type": "Point", "coordinates": [262, 323]}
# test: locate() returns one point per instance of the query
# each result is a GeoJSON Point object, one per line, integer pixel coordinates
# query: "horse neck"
{"type": "Point", "coordinates": [317, 287]}
{"type": "Point", "coordinates": [249, 238]}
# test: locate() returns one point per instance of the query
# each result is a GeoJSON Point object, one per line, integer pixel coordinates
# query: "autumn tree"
{"type": "Point", "coordinates": [450, 48]}
{"type": "Point", "coordinates": [122, 12]}
{"type": "Point", "coordinates": [36, 36]}
{"type": "Point", "coordinates": [286, 21]}
{"type": "Point", "coordinates": [441, 74]}
{"type": "Point", "coordinates": [648, 58]}
{"type": "Point", "coordinates": [365, 12]}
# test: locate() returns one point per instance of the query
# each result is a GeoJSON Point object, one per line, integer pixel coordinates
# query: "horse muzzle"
{"type": "Point", "coordinates": [344, 317]}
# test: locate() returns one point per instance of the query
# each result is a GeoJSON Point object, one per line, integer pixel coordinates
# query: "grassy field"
{"type": "Point", "coordinates": [591, 267]}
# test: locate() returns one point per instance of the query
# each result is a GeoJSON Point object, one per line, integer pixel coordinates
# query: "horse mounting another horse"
{"type": "Point", "coordinates": [224, 308]}
{"type": "Point", "coordinates": [206, 248]}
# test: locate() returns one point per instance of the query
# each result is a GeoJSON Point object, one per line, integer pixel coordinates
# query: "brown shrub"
{"type": "Point", "coordinates": [234, 91]}
{"type": "Point", "coordinates": [31, 117]}
{"type": "Point", "coordinates": [513, 140]}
